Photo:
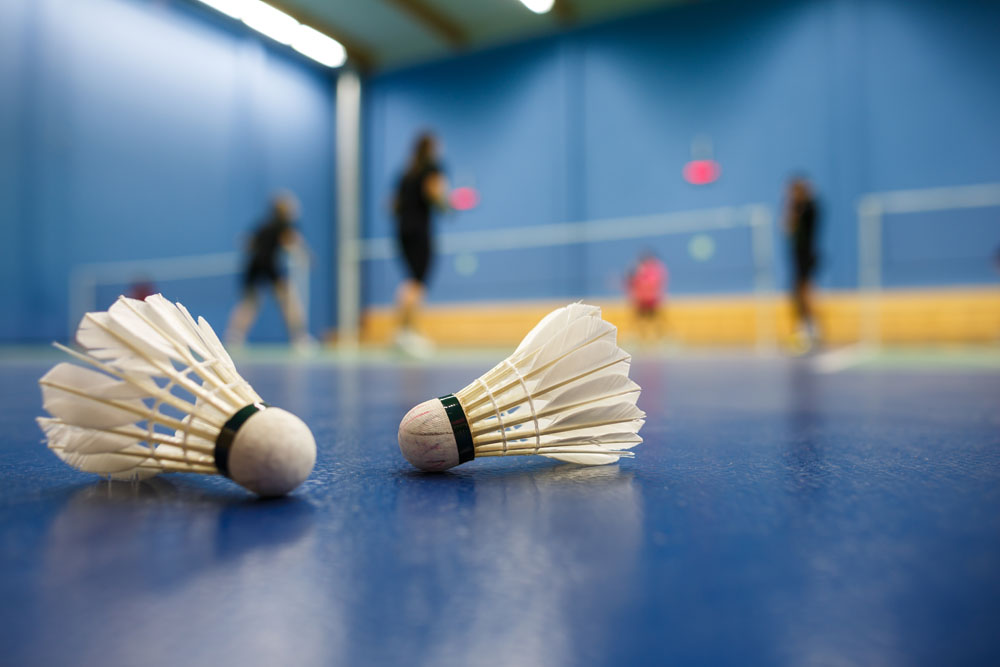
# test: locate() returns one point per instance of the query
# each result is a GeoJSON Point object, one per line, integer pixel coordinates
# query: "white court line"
{"type": "Point", "coordinates": [841, 359]}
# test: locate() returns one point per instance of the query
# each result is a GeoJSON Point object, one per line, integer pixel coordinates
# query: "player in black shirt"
{"type": "Point", "coordinates": [264, 268]}
{"type": "Point", "coordinates": [801, 225]}
{"type": "Point", "coordinates": [422, 188]}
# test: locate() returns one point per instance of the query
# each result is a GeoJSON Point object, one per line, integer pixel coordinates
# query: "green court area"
{"type": "Point", "coordinates": [985, 358]}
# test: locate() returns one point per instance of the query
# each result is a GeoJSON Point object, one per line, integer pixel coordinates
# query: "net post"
{"type": "Point", "coordinates": [870, 269]}
{"type": "Point", "coordinates": [348, 223]}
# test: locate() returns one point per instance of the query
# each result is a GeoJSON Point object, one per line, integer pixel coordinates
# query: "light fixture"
{"type": "Point", "coordinates": [229, 7]}
{"type": "Point", "coordinates": [319, 47]}
{"type": "Point", "coordinates": [272, 22]}
{"type": "Point", "coordinates": [283, 28]}
{"type": "Point", "coordinates": [538, 6]}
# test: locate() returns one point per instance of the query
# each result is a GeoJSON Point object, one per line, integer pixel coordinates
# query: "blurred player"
{"type": "Point", "coordinates": [264, 268]}
{"type": "Point", "coordinates": [422, 188]}
{"type": "Point", "coordinates": [801, 223]}
{"type": "Point", "coordinates": [647, 286]}
{"type": "Point", "coordinates": [142, 287]}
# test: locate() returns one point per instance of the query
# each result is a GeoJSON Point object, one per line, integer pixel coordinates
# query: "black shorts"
{"type": "Point", "coordinates": [804, 266]}
{"type": "Point", "coordinates": [416, 251]}
{"type": "Point", "coordinates": [260, 273]}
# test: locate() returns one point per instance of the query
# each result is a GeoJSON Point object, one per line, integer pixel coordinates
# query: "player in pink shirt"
{"type": "Point", "coordinates": [647, 287]}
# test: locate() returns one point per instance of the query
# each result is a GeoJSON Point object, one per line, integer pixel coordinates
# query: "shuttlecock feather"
{"type": "Point", "coordinates": [162, 395]}
{"type": "Point", "coordinates": [564, 393]}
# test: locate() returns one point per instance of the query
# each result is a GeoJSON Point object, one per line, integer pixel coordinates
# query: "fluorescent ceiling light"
{"type": "Point", "coordinates": [281, 27]}
{"type": "Point", "coordinates": [231, 7]}
{"type": "Point", "coordinates": [274, 23]}
{"type": "Point", "coordinates": [319, 47]}
{"type": "Point", "coordinates": [538, 6]}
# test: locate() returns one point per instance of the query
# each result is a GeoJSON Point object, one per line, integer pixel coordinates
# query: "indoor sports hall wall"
{"type": "Point", "coordinates": [141, 129]}
{"type": "Point", "coordinates": [597, 124]}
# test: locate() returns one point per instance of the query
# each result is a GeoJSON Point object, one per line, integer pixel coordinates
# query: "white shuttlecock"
{"type": "Point", "coordinates": [166, 397]}
{"type": "Point", "coordinates": [564, 393]}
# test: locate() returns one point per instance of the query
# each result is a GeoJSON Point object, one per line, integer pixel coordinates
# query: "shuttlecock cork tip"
{"type": "Point", "coordinates": [427, 437]}
{"type": "Point", "coordinates": [272, 453]}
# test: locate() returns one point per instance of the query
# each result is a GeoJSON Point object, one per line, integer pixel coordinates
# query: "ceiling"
{"type": "Point", "coordinates": [382, 34]}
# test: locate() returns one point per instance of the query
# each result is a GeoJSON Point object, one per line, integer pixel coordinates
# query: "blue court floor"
{"type": "Point", "coordinates": [774, 516]}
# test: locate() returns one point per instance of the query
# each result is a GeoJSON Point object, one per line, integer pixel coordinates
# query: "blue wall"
{"type": "Point", "coordinates": [133, 129]}
{"type": "Point", "coordinates": [863, 95]}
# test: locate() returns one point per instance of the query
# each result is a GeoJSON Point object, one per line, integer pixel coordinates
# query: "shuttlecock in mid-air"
{"type": "Point", "coordinates": [164, 396]}
{"type": "Point", "coordinates": [564, 393]}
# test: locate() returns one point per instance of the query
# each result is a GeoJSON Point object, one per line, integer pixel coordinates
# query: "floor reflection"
{"type": "Point", "coordinates": [207, 577]}
{"type": "Point", "coordinates": [523, 547]}
{"type": "Point", "coordinates": [805, 461]}
{"type": "Point", "coordinates": [816, 632]}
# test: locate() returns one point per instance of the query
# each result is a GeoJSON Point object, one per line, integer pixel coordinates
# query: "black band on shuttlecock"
{"type": "Point", "coordinates": [460, 427]}
{"type": "Point", "coordinates": [224, 441]}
